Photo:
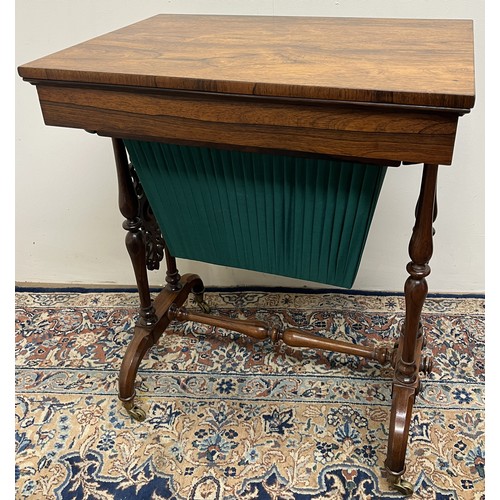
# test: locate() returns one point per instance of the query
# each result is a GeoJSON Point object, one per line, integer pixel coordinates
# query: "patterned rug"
{"type": "Point", "coordinates": [232, 418]}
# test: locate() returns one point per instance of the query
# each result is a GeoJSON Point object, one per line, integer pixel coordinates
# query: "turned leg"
{"type": "Point", "coordinates": [146, 248]}
{"type": "Point", "coordinates": [136, 221]}
{"type": "Point", "coordinates": [173, 282]}
{"type": "Point", "coordinates": [408, 357]}
{"type": "Point", "coordinates": [130, 208]}
{"type": "Point", "coordinates": [173, 276]}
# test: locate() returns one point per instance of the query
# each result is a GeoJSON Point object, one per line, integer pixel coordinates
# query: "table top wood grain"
{"type": "Point", "coordinates": [415, 62]}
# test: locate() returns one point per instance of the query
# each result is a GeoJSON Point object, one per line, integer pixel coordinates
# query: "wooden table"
{"type": "Point", "coordinates": [386, 91]}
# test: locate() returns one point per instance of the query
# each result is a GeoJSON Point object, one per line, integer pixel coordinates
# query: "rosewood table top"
{"type": "Point", "coordinates": [386, 89]}
{"type": "Point", "coordinates": [404, 61]}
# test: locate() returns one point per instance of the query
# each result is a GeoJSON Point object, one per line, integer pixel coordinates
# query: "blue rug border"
{"type": "Point", "coordinates": [310, 291]}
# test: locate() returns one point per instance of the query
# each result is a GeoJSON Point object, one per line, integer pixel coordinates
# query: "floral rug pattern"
{"type": "Point", "coordinates": [232, 418]}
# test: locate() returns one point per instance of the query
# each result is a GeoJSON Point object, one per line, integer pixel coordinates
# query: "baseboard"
{"type": "Point", "coordinates": [98, 288]}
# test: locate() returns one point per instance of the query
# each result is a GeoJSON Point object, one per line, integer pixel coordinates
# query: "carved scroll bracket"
{"type": "Point", "coordinates": [153, 239]}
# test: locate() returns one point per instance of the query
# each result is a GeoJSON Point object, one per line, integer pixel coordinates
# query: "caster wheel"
{"type": "Point", "coordinates": [426, 365]}
{"type": "Point", "coordinates": [137, 413]}
{"type": "Point", "coordinates": [200, 302]}
{"type": "Point", "coordinates": [404, 487]}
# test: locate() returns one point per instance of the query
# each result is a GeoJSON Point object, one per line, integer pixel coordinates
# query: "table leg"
{"type": "Point", "coordinates": [173, 277]}
{"type": "Point", "coordinates": [145, 336]}
{"type": "Point", "coordinates": [407, 364]}
{"type": "Point", "coordinates": [130, 208]}
{"type": "Point", "coordinates": [146, 248]}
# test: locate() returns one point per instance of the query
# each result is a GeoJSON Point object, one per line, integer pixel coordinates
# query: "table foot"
{"type": "Point", "coordinates": [135, 411]}
{"type": "Point", "coordinates": [136, 350]}
{"type": "Point", "coordinates": [200, 301]}
{"type": "Point", "coordinates": [146, 335]}
{"type": "Point", "coordinates": [408, 361]}
{"type": "Point", "coordinates": [404, 487]}
{"type": "Point", "coordinates": [403, 399]}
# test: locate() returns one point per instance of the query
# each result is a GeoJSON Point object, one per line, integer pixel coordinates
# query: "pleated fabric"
{"type": "Point", "coordinates": [298, 217]}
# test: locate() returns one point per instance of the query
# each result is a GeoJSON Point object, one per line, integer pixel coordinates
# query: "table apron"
{"type": "Point", "coordinates": [336, 129]}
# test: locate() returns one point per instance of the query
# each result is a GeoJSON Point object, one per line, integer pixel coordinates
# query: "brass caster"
{"type": "Point", "coordinates": [205, 308]}
{"type": "Point", "coordinates": [137, 413]}
{"type": "Point", "coordinates": [404, 487]}
{"type": "Point", "coordinates": [426, 365]}
{"type": "Point", "coordinates": [200, 302]}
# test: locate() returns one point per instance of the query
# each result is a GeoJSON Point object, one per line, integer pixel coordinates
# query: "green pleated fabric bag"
{"type": "Point", "coordinates": [298, 217]}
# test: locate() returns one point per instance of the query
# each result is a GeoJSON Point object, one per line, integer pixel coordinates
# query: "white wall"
{"type": "Point", "coordinates": [68, 227]}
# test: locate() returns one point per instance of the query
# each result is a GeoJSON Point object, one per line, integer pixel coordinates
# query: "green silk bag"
{"type": "Point", "coordinates": [299, 217]}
